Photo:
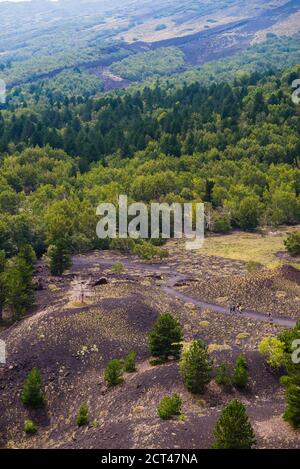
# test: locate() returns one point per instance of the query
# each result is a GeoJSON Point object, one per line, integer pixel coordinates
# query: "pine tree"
{"type": "Point", "coordinates": [165, 337]}
{"type": "Point", "coordinates": [82, 416]}
{"type": "Point", "coordinates": [113, 373]}
{"type": "Point", "coordinates": [222, 376]}
{"type": "Point", "coordinates": [59, 257]}
{"type": "Point", "coordinates": [240, 373]}
{"type": "Point", "coordinates": [32, 395]}
{"type": "Point", "coordinates": [129, 362]}
{"type": "Point", "coordinates": [292, 394]}
{"type": "Point", "coordinates": [27, 253]}
{"type": "Point", "coordinates": [2, 282]}
{"type": "Point", "coordinates": [18, 284]}
{"type": "Point", "coordinates": [233, 429]}
{"type": "Point", "coordinates": [195, 367]}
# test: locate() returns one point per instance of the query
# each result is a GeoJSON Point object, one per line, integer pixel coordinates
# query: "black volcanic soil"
{"type": "Point", "coordinates": [71, 344]}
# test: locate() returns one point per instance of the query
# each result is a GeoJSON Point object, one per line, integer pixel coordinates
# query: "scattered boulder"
{"type": "Point", "coordinates": [101, 281]}
{"type": "Point", "coordinates": [180, 284]}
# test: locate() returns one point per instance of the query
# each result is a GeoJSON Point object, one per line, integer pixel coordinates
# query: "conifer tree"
{"type": "Point", "coordinates": [19, 294]}
{"type": "Point", "coordinates": [32, 395]}
{"type": "Point", "coordinates": [165, 337]}
{"type": "Point", "coordinates": [2, 282]}
{"type": "Point", "coordinates": [233, 429]}
{"type": "Point", "coordinates": [59, 257]}
{"type": "Point", "coordinates": [82, 416]}
{"type": "Point", "coordinates": [292, 393]}
{"type": "Point", "coordinates": [195, 367]}
{"type": "Point", "coordinates": [113, 373]}
{"type": "Point", "coordinates": [222, 376]}
{"type": "Point", "coordinates": [240, 373]}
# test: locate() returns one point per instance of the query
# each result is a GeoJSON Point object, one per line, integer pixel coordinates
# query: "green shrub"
{"type": "Point", "coordinates": [195, 367]}
{"type": "Point", "coordinates": [129, 362]}
{"type": "Point", "coordinates": [222, 376]}
{"type": "Point", "coordinates": [118, 268]}
{"type": "Point", "coordinates": [240, 374]}
{"type": "Point", "coordinates": [30, 427]}
{"type": "Point", "coordinates": [125, 245]}
{"type": "Point", "coordinates": [147, 251]}
{"type": "Point", "coordinates": [247, 215]}
{"type": "Point", "coordinates": [113, 373]}
{"type": "Point", "coordinates": [165, 337]}
{"type": "Point", "coordinates": [292, 243]}
{"type": "Point", "coordinates": [233, 429]}
{"type": "Point", "coordinates": [292, 394]}
{"type": "Point", "coordinates": [82, 416]}
{"type": "Point", "coordinates": [288, 336]}
{"type": "Point", "coordinates": [221, 223]}
{"type": "Point", "coordinates": [273, 350]}
{"type": "Point", "coordinates": [32, 395]}
{"type": "Point", "coordinates": [157, 361]}
{"type": "Point", "coordinates": [169, 406]}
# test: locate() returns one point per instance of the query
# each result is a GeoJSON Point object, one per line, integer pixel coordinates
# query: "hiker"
{"type": "Point", "coordinates": [270, 317]}
{"type": "Point", "coordinates": [239, 308]}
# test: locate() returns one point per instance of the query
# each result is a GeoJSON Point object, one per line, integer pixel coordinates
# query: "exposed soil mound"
{"type": "Point", "coordinates": [276, 291]}
{"type": "Point", "coordinates": [290, 273]}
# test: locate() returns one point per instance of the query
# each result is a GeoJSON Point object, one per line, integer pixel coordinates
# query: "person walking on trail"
{"type": "Point", "coordinates": [270, 315]}
{"type": "Point", "coordinates": [239, 308]}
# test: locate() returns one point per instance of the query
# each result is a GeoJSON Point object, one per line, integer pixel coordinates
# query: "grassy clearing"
{"type": "Point", "coordinates": [257, 247]}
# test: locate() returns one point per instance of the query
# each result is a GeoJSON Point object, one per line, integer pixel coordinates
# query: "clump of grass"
{"type": "Point", "coordinates": [118, 268]}
{"type": "Point", "coordinates": [30, 427]}
{"type": "Point", "coordinates": [253, 266]}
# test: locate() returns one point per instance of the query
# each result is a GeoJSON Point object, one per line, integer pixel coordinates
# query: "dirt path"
{"type": "Point", "coordinates": [172, 277]}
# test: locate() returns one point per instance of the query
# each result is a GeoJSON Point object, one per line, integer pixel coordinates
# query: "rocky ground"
{"type": "Point", "coordinates": [93, 314]}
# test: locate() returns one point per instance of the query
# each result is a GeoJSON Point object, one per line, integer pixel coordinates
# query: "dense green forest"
{"type": "Point", "coordinates": [274, 54]}
{"type": "Point", "coordinates": [146, 64]}
{"type": "Point", "coordinates": [236, 147]}
{"type": "Point", "coordinates": [70, 83]}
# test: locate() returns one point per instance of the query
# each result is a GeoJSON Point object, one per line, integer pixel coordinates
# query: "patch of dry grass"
{"type": "Point", "coordinates": [257, 247]}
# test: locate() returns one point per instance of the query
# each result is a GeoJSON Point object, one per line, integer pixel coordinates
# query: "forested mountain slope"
{"type": "Point", "coordinates": [105, 44]}
{"type": "Point", "coordinates": [234, 146]}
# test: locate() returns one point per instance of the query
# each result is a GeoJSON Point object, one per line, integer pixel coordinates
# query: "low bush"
{"type": "Point", "coordinates": [82, 416]}
{"type": "Point", "coordinates": [292, 243]}
{"type": "Point", "coordinates": [222, 376]}
{"type": "Point", "coordinates": [169, 406]}
{"type": "Point", "coordinates": [30, 427]}
{"type": "Point", "coordinates": [32, 395]}
{"type": "Point", "coordinates": [113, 373]}
{"type": "Point", "coordinates": [129, 362]}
